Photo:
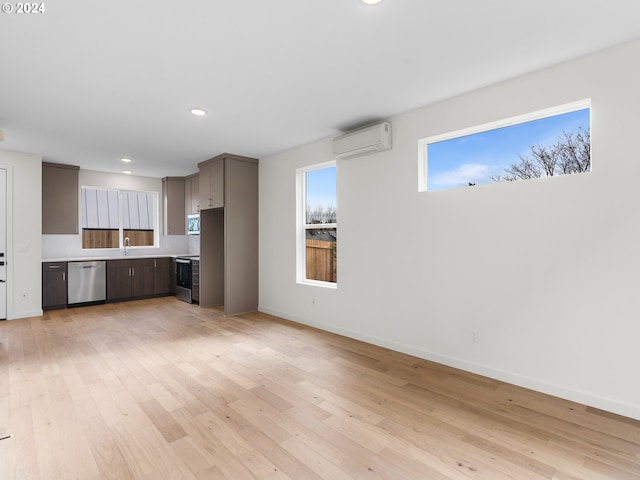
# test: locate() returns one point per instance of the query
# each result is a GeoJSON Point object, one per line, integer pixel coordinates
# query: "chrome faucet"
{"type": "Point", "coordinates": [127, 244]}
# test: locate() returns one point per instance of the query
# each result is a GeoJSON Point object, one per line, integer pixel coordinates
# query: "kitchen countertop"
{"type": "Point", "coordinates": [122, 257]}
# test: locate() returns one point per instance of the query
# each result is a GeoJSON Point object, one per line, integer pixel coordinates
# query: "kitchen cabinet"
{"type": "Point", "coordinates": [127, 278]}
{"type": "Point", "coordinates": [142, 281]}
{"type": "Point", "coordinates": [60, 193]}
{"type": "Point", "coordinates": [195, 281]}
{"type": "Point", "coordinates": [174, 277]}
{"type": "Point", "coordinates": [162, 276]}
{"type": "Point", "coordinates": [229, 237]}
{"type": "Point", "coordinates": [192, 194]}
{"type": "Point", "coordinates": [54, 285]}
{"type": "Point", "coordinates": [173, 205]}
{"type": "Point", "coordinates": [211, 183]}
{"type": "Point", "coordinates": [118, 279]}
{"type": "Point", "coordinates": [131, 278]}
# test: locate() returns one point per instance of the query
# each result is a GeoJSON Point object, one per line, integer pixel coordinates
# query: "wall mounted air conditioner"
{"type": "Point", "coordinates": [370, 139]}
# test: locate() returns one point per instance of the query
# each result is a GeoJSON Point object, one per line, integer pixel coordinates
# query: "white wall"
{"type": "Point", "coordinates": [24, 272]}
{"type": "Point", "coordinates": [546, 271]}
{"type": "Point", "coordinates": [70, 246]}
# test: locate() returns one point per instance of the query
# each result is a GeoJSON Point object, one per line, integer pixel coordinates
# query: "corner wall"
{"type": "Point", "coordinates": [24, 278]}
{"type": "Point", "coordinates": [545, 271]}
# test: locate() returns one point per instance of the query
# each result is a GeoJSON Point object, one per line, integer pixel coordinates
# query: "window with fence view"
{"type": "Point", "coordinates": [320, 224]}
{"type": "Point", "coordinates": [110, 216]}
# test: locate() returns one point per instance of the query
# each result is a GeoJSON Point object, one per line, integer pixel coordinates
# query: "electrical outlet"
{"type": "Point", "coordinates": [474, 336]}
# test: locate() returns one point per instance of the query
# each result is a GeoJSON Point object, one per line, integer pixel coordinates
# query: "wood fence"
{"type": "Point", "coordinates": [105, 238]}
{"type": "Point", "coordinates": [321, 261]}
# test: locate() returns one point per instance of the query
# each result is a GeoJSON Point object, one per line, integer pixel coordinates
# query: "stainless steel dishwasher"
{"type": "Point", "coordinates": [87, 282]}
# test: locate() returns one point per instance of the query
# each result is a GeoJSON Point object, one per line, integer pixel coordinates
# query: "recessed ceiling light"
{"type": "Point", "coordinates": [198, 112]}
{"type": "Point", "coordinates": [371, 2]}
{"type": "Point", "coordinates": [127, 172]}
{"type": "Point", "coordinates": [125, 160]}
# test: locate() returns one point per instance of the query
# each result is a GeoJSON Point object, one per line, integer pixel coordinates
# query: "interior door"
{"type": "Point", "coordinates": [3, 243]}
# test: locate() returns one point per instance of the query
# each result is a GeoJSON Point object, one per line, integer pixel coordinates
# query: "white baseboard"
{"type": "Point", "coordinates": [16, 316]}
{"type": "Point", "coordinates": [585, 398]}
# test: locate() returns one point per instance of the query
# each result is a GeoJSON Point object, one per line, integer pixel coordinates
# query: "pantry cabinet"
{"type": "Point", "coordinates": [229, 233]}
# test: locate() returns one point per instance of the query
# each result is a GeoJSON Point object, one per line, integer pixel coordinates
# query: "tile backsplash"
{"type": "Point", "coordinates": [70, 246]}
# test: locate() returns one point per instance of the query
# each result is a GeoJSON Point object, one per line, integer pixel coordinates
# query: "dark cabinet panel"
{"type": "Point", "coordinates": [173, 205]}
{"type": "Point", "coordinates": [132, 278]}
{"type": "Point", "coordinates": [60, 193]}
{"type": "Point", "coordinates": [142, 277]}
{"type": "Point", "coordinates": [241, 237]}
{"type": "Point", "coordinates": [195, 281]}
{"type": "Point", "coordinates": [54, 285]}
{"type": "Point", "coordinates": [174, 277]}
{"type": "Point", "coordinates": [118, 279]}
{"type": "Point", "coordinates": [162, 276]}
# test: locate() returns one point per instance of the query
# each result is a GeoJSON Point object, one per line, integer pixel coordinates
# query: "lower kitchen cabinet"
{"type": "Point", "coordinates": [54, 285]}
{"type": "Point", "coordinates": [142, 272]}
{"type": "Point", "coordinates": [127, 279]}
{"type": "Point", "coordinates": [174, 276]}
{"type": "Point", "coordinates": [118, 279]}
{"type": "Point", "coordinates": [162, 276]}
{"type": "Point", "coordinates": [195, 281]}
{"type": "Point", "coordinates": [132, 278]}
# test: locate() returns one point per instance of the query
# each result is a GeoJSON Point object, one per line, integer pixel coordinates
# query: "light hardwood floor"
{"type": "Point", "coordinates": [159, 389]}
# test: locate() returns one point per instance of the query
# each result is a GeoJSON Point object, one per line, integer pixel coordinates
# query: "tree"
{"type": "Point", "coordinates": [321, 214]}
{"type": "Point", "coordinates": [570, 154]}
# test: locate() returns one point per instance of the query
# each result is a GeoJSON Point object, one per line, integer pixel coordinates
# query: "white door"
{"type": "Point", "coordinates": [3, 243]}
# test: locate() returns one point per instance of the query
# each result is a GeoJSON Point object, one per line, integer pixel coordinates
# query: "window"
{"type": "Point", "coordinates": [543, 144]}
{"type": "Point", "coordinates": [317, 225]}
{"type": "Point", "coordinates": [110, 216]}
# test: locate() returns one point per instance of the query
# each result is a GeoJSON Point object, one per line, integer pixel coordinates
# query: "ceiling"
{"type": "Point", "coordinates": [87, 83]}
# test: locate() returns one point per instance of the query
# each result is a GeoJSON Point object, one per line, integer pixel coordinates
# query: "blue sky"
{"type": "Point", "coordinates": [475, 158]}
{"type": "Point", "coordinates": [321, 187]}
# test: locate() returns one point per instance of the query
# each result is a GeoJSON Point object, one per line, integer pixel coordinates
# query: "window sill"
{"type": "Point", "coordinates": [317, 283]}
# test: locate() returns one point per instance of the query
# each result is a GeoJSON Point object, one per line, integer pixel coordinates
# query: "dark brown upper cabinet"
{"type": "Point", "coordinates": [60, 193]}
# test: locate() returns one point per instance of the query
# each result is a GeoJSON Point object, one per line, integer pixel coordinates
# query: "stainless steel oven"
{"type": "Point", "coordinates": [183, 278]}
